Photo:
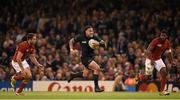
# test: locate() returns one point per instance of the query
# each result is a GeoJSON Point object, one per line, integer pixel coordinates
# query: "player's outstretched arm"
{"type": "Point", "coordinates": [71, 42]}
{"type": "Point", "coordinates": [72, 51]}
{"type": "Point", "coordinates": [34, 60]}
{"type": "Point", "coordinates": [149, 51]}
{"type": "Point", "coordinates": [170, 57]}
{"type": "Point", "coordinates": [101, 43]}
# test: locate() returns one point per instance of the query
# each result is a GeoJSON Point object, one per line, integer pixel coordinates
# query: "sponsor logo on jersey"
{"type": "Point", "coordinates": [159, 45]}
{"type": "Point", "coordinates": [84, 42]}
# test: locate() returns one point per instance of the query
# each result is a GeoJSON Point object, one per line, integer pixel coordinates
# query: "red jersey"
{"type": "Point", "coordinates": [159, 48]}
{"type": "Point", "coordinates": [25, 48]}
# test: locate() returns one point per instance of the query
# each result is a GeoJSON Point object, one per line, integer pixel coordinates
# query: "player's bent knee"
{"type": "Point", "coordinates": [28, 76]}
{"type": "Point", "coordinates": [97, 71]}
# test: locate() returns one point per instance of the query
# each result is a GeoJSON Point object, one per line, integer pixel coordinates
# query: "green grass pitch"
{"type": "Point", "coordinates": [88, 96]}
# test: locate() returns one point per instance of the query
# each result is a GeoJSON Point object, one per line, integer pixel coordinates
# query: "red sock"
{"type": "Point", "coordinates": [163, 82]}
{"type": "Point", "coordinates": [21, 87]}
{"type": "Point", "coordinates": [18, 77]}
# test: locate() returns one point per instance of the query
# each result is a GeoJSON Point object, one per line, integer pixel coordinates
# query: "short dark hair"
{"type": "Point", "coordinates": [28, 36]}
{"type": "Point", "coordinates": [87, 27]}
{"type": "Point", "coordinates": [164, 31]}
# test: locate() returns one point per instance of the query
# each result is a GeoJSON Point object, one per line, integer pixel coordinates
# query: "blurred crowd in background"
{"type": "Point", "coordinates": [128, 26]}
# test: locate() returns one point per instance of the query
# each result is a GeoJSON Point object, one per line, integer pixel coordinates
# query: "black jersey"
{"type": "Point", "coordinates": [87, 51]}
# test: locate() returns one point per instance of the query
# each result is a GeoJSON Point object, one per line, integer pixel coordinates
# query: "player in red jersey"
{"type": "Point", "coordinates": [153, 59]}
{"type": "Point", "coordinates": [24, 50]}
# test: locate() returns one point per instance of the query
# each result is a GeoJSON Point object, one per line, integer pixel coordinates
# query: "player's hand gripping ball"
{"type": "Point", "coordinates": [93, 44]}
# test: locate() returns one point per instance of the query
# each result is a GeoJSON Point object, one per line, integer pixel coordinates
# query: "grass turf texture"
{"type": "Point", "coordinates": [88, 95]}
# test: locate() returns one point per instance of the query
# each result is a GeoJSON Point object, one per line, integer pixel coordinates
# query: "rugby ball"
{"type": "Point", "coordinates": [92, 42]}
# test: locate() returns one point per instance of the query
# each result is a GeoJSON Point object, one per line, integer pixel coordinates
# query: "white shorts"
{"type": "Point", "coordinates": [149, 67]}
{"type": "Point", "coordinates": [16, 66]}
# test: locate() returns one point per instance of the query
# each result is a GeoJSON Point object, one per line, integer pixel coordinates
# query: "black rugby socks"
{"type": "Point", "coordinates": [96, 78]}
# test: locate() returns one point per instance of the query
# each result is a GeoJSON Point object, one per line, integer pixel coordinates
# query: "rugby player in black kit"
{"type": "Point", "coordinates": [87, 57]}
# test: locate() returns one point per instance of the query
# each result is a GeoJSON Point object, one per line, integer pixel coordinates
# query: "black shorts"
{"type": "Point", "coordinates": [86, 61]}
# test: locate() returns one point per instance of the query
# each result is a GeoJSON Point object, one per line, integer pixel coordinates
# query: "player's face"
{"type": "Point", "coordinates": [163, 36]}
{"type": "Point", "coordinates": [33, 40]}
{"type": "Point", "coordinates": [90, 32]}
